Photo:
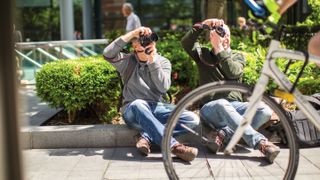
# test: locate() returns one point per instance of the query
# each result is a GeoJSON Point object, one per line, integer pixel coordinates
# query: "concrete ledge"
{"type": "Point", "coordinates": [84, 136]}
{"type": "Point", "coordinates": [77, 136]}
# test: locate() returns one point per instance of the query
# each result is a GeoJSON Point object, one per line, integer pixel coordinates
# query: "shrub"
{"type": "Point", "coordinates": [170, 47]}
{"type": "Point", "coordinates": [308, 84]}
{"type": "Point", "coordinates": [185, 69]}
{"type": "Point", "coordinates": [79, 84]}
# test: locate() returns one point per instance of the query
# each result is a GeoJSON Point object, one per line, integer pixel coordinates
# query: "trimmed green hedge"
{"type": "Point", "coordinates": [308, 84]}
{"type": "Point", "coordinates": [79, 84]}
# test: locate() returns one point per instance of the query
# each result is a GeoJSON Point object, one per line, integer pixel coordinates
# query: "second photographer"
{"type": "Point", "coordinates": [225, 110]}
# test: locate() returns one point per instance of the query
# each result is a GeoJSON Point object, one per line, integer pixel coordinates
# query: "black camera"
{"type": "Point", "coordinates": [219, 29]}
{"type": "Point", "coordinates": [146, 40]}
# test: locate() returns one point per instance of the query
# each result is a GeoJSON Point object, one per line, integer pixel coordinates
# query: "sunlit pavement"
{"type": "Point", "coordinates": [127, 163]}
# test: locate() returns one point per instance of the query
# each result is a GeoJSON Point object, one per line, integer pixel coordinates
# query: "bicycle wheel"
{"type": "Point", "coordinates": [243, 163]}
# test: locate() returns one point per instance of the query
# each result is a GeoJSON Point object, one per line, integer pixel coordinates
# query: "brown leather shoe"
{"type": "Point", "coordinates": [185, 153]}
{"type": "Point", "coordinates": [269, 149]}
{"type": "Point", "coordinates": [143, 145]}
{"type": "Point", "coordinates": [215, 140]}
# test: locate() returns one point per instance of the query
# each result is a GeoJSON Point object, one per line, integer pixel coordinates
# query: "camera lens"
{"type": "Point", "coordinates": [146, 40]}
{"type": "Point", "coordinates": [154, 37]}
{"type": "Point", "coordinates": [220, 31]}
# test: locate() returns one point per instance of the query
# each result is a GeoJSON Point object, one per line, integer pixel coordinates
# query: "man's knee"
{"type": "Point", "coordinates": [192, 119]}
{"type": "Point", "coordinates": [216, 105]}
{"type": "Point", "coordinates": [265, 110]}
{"type": "Point", "coordinates": [210, 108]}
{"type": "Point", "coordinates": [138, 104]}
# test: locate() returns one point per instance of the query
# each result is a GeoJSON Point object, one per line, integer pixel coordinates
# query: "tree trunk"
{"type": "Point", "coordinates": [71, 116]}
{"type": "Point", "coordinates": [217, 9]}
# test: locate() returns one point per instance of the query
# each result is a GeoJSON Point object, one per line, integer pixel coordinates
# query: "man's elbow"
{"type": "Point", "coordinates": [165, 87]}
{"type": "Point", "coordinates": [184, 43]}
{"type": "Point", "coordinates": [108, 55]}
{"type": "Point", "coordinates": [233, 75]}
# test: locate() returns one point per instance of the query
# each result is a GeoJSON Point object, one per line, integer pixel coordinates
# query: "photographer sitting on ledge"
{"type": "Point", "coordinates": [225, 110]}
{"type": "Point", "coordinates": [146, 77]}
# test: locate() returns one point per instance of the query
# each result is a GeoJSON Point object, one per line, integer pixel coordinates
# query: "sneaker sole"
{"type": "Point", "coordinates": [271, 157]}
{"type": "Point", "coordinates": [143, 150]}
{"type": "Point", "coordinates": [213, 147]}
{"type": "Point", "coordinates": [189, 158]}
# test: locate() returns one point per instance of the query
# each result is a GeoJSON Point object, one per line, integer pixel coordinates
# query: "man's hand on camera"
{"type": "Point", "coordinates": [147, 57]}
{"type": "Point", "coordinates": [216, 42]}
{"type": "Point", "coordinates": [213, 22]}
{"type": "Point", "coordinates": [141, 31]}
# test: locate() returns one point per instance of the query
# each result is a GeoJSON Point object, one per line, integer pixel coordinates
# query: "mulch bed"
{"type": "Point", "coordinates": [84, 117]}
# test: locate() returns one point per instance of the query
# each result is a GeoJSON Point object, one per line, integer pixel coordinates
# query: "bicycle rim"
{"type": "Point", "coordinates": [291, 153]}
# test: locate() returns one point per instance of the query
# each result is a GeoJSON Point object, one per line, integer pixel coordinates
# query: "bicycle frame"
{"type": "Point", "coordinates": [271, 70]}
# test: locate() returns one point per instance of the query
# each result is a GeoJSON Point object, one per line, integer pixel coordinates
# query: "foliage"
{"type": "Point", "coordinates": [79, 84]}
{"type": "Point", "coordinates": [298, 38]}
{"type": "Point", "coordinates": [169, 46]}
{"type": "Point", "coordinates": [43, 23]}
{"type": "Point", "coordinates": [182, 65]}
{"type": "Point", "coordinates": [92, 82]}
{"type": "Point", "coordinates": [255, 52]}
{"type": "Point", "coordinates": [308, 84]}
{"type": "Point", "coordinates": [314, 17]}
{"type": "Point", "coordinates": [114, 34]}
{"type": "Point", "coordinates": [162, 14]}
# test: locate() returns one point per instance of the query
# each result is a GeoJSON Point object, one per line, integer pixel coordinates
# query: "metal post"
{"type": "Point", "coordinates": [87, 19]}
{"type": "Point", "coordinates": [97, 18]}
{"type": "Point", "coordinates": [60, 47]}
{"type": "Point", "coordinates": [66, 19]}
{"type": "Point", "coordinates": [10, 152]}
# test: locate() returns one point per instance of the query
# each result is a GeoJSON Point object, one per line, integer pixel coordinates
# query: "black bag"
{"type": "Point", "coordinates": [308, 135]}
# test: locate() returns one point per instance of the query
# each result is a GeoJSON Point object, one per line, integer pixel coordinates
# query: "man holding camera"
{"type": "Point", "coordinates": [225, 110]}
{"type": "Point", "coordinates": [146, 77]}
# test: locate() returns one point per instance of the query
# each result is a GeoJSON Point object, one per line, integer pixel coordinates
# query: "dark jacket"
{"type": "Point", "coordinates": [229, 65]}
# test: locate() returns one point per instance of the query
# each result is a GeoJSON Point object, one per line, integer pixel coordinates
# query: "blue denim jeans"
{"type": "Point", "coordinates": [150, 118]}
{"type": "Point", "coordinates": [226, 115]}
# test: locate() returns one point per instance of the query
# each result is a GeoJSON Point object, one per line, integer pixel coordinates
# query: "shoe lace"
{"type": "Point", "coordinates": [219, 138]}
{"type": "Point", "coordinates": [180, 148]}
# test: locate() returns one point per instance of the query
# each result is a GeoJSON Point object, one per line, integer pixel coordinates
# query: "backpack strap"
{"type": "Point", "coordinates": [199, 51]}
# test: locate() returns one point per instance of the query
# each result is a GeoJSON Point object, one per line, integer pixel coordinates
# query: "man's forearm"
{"type": "Point", "coordinates": [189, 39]}
{"type": "Point", "coordinates": [161, 74]}
{"type": "Point", "coordinates": [231, 66]}
{"type": "Point", "coordinates": [112, 51]}
{"type": "Point", "coordinates": [127, 37]}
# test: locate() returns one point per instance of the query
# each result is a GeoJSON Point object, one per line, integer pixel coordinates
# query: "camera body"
{"type": "Point", "coordinates": [219, 29]}
{"type": "Point", "coordinates": [146, 40]}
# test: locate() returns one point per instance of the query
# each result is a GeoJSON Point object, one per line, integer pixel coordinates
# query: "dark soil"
{"type": "Point", "coordinates": [84, 117]}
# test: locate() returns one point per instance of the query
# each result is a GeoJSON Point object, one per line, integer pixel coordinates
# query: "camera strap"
{"type": "Point", "coordinates": [199, 51]}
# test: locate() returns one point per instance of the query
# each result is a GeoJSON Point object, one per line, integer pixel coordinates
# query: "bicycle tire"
{"type": "Point", "coordinates": [201, 91]}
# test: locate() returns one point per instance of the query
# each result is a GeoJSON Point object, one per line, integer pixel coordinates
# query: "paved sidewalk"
{"type": "Point", "coordinates": [127, 163]}
{"type": "Point", "coordinates": [33, 112]}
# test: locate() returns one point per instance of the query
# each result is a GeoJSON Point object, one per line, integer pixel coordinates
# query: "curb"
{"type": "Point", "coordinates": [77, 136]}
{"type": "Point", "coordinates": [84, 136]}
